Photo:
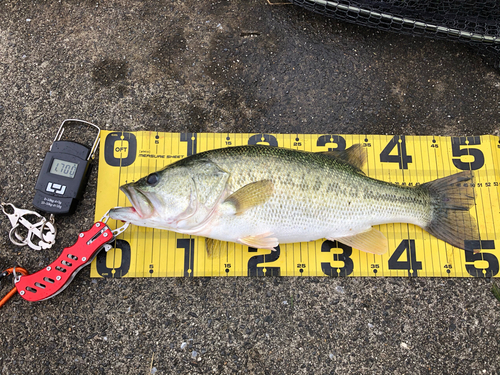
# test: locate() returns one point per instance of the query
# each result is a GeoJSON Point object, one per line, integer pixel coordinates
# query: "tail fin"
{"type": "Point", "coordinates": [451, 201]}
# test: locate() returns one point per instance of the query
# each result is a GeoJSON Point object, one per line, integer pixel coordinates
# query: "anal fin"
{"type": "Point", "coordinates": [260, 241]}
{"type": "Point", "coordinates": [371, 241]}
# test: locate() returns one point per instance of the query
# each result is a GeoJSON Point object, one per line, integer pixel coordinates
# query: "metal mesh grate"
{"type": "Point", "coordinates": [475, 22]}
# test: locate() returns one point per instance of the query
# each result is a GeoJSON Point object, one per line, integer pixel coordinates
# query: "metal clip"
{"type": "Point", "coordinates": [53, 279]}
{"type": "Point", "coordinates": [40, 235]}
{"type": "Point", "coordinates": [97, 139]}
{"type": "Point", "coordinates": [116, 231]}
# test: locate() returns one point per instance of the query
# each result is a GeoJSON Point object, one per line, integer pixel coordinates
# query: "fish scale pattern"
{"type": "Point", "coordinates": [315, 196]}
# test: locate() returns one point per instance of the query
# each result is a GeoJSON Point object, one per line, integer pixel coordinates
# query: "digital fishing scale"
{"type": "Point", "coordinates": [65, 172]}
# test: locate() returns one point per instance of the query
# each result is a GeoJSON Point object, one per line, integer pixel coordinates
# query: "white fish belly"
{"type": "Point", "coordinates": [303, 221]}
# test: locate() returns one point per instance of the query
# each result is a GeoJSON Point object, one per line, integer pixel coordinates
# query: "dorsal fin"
{"type": "Point", "coordinates": [354, 155]}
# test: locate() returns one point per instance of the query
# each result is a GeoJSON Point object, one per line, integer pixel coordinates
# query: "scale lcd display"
{"type": "Point", "coordinates": [63, 168]}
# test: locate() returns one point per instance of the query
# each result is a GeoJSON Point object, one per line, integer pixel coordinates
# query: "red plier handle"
{"type": "Point", "coordinates": [54, 278]}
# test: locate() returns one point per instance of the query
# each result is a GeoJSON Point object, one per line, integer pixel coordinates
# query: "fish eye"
{"type": "Point", "coordinates": [152, 179]}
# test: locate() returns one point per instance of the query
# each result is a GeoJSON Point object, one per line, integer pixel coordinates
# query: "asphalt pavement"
{"type": "Point", "coordinates": [232, 66]}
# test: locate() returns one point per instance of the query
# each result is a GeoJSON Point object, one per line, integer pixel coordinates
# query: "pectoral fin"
{"type": "Point", "coordinates": [371, 241]}
{"type": "Point", "coordinates": [250, 195]}
{"type": "Point", "coordinates": [260, 241]}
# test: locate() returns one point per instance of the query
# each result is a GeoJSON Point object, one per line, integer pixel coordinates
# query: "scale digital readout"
{"type": "Point", "coordinates": [63, 168]}
{"type": "Point", "coordinates": [406, 160]}
{"type": "Point", "coordinates": [64, 174]}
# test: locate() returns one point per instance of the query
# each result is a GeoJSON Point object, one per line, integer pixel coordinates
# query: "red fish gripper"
{"type": "Point", "coordinates": [54, 278]}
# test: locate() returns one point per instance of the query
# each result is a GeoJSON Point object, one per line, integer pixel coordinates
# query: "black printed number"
{"type": "Point", "coordinates": [491, 259]}
{"type": "Point", "coordinates": [329, 139]}
{"type": "Point", "coordinates": [348, 267]}
{"type": "Point", "coordinates": [190, 139]}
{"type": "Point", "coordinates": [258, 139]}
{"type": "Point", "coordinates": [253, 270]}
{"type": "Point", "coordinates": [188, 245]}
{"type": "Point", "coordinates": [122, 269]}
{"type": "Point", "coordinates": [120, 149]}
{"type": "Point", "coordinates": [458, 150]}
{"type": "Point", "coordinates": [410, 264]}
{"type": "Point", "coordinates": [402, 158]}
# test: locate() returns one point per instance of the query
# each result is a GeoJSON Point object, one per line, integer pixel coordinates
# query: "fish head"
{"type": "Point", "coordinates": [158, 199]}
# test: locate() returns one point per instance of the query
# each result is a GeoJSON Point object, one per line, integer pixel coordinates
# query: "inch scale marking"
{"type": "Point", "coordinates": [404, 160]}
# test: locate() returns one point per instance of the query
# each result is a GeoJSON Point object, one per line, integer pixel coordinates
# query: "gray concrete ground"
{"type": "Point", "coordinates": [232, 66]}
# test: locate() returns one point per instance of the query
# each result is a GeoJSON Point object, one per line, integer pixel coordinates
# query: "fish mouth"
{"type": "Point", "coordinates": [142, 206]}
{"type": "Point", "coordinates": [126, 214]}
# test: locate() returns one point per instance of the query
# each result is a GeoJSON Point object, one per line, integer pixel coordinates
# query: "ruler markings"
{"type": "Point", "coordinates": [491, 170]}
{"type": "Point", "coordinates": [445, 161]}
{"type": "Point", "coordinates": [474, 191]}
{"type": "Point", "coordinates": [410, 231]}
{"type": "Point", "coordinates": [492, 201]}
{"type": "Point", "coordinates": [495, 145]}
{"type": "Point", "coordinates": [413, 245]}
{"type": "Point", "coordinates": [433, 146]}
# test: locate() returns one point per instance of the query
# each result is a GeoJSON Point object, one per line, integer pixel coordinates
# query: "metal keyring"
{"type": "Point", "coordinates": [14, 237]}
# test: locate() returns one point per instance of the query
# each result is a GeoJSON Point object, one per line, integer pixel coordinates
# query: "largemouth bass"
{"type": "Point", "coordinates": [261, 196]}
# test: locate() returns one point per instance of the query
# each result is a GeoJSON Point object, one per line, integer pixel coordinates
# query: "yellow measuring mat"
{"type": "Point", "coordinates": [405, 160]}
